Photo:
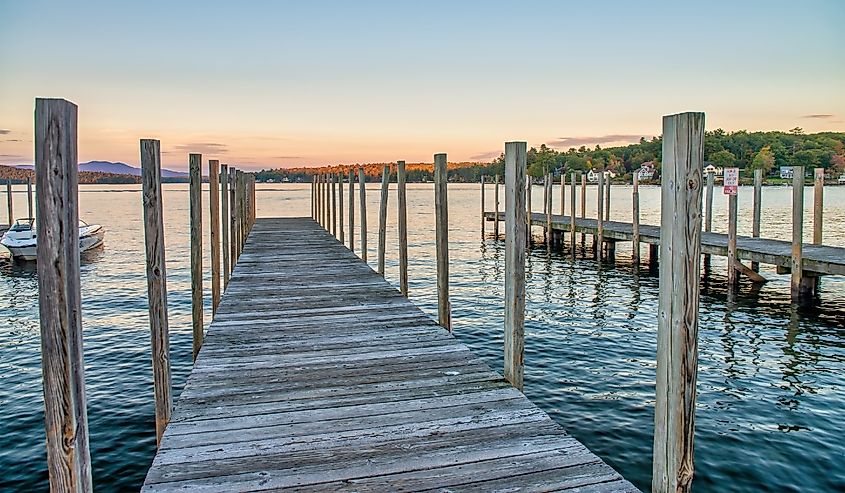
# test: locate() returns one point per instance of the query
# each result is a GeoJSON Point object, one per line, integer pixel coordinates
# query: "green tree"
{"type": "Point", "coordinates": [723, 159]}
{"type": "Point", "coordinates": [764, 160]}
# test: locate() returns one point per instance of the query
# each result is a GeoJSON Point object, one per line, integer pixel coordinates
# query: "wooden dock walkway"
{"type": "Point", "coordinates": [317, 375]}
{"type": "Point", "coordinates": [819, 259]}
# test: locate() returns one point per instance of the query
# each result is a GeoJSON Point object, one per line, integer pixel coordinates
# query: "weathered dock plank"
{"type": "Point", "coordinates": [317, 375]}
{"type": "Point", "coordinates": [821, 259]}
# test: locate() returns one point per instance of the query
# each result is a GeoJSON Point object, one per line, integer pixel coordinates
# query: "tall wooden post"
{"type": "Point", "coordinates": [572, 212]}
{"type": "Point", "coordinates": [818, 204]}
{"type": "Point", "coordinates": [496, 200]}
{"type": "Point", "coordinates": [195, 164]}
{"type": "Point", "coordinates": [677, 332]}
{"type": "Point", "coordinates": [224, 216]}
{"type": "Point", "coordinates": [441, 233]}
{"type": "Point", "coordinates": [403, 227]}
{"type": "Point", "coordinates": [635, 247]}
{"type": "Point", "coordinates": [362, 192]}
{"type": "Point", "coordinates": [326, 203]}
{"type": "Point", "coordinates": [233, 218]}
{"type": "Point", "coordinates": [9, 202]}
{"type": "Point", "coordinates": [382, 217]}
{"type": "Point", "coordinates": [755, 223]}
{"type": "Point", "coordinates": [515, 245]}
{"type": "Point", "coordinates": [30, 203]}
{"type": "Point", "coordinates": [156, 282]}
{"type": "Point", "coordinates": [214, 217]}
{"type": "Point", "coordinates": [313, 197]}
{"type": "Point", "coordinates": [334, 204]}
{"type": "Point", "coordinates": [583, 202]}
{"type": "Point", "coordinates": [708, 219]}
{"type": "Point", "coordinates": [733, 273]}
{"type": "Point", "coordinates": [528, 187]}
{"type": "Point", "coordinates": [797, 263]}
{"type": "Point", "coordinates": [599, 240]}
{"type": "Point", "coordinates": [483, 219]}
{"type": "Point", "coordinates": [340, 206]}
{"type": "Point", "coordinates": [607, 198]}
{"type": "Point", "coordinates": [351, 210]}
{"type": "Point", "coordinates": [562, 192]}
{"type": "Point", "coordinates": [547, 207]}
{"type": "Point", "coordinates": [59, 299]}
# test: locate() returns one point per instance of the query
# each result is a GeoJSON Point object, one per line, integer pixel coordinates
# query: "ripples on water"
{"type": "Point", "coordinates": [771, 376]}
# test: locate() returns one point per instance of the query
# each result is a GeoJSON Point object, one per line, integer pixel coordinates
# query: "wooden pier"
{"type": "Point", "coordinates": [818, 259]}
{"type": "Point", "coordinates": [317, 375]}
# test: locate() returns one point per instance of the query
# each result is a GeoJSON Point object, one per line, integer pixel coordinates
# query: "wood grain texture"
{"type": "Point", "coordinates": [156, 282]}
{"type": "Point", "coordinates": [214, 230]}
{"type": "Point", "coordinates": [402, 220]}
{"type": "Point", "coordinates": [599, 238]}
{"type": "Point", "coordinates": [362, 192]}
{"type": "Point", "coordinates": [29, 201]}
{"type": "Point", "coordinates": [349, 387]}
{"type": "Point", "coordinates": [441, 240]}
{"type": "Point", "coordinates": [562, 192]}
{"type": "Point", "coordinates": [496, 207]}
{"type": "Point", "coordinates": [635, 226]}
{"type": "Point", "coordinates": [351, 211]}
{"type": "Point", "coordinates": [572, 211]}
{"type": "Point", "coordinates": [818, 205]}
{"type": "Point", "coordinates": [677, 332]}
{"type": "Point", "coordinates": [59, 303]}
{"type": "Point", "coordinates": [797, 264]}
{"type": "Point", "coordinates": [483, 210]}
{"type": "Point", "coordinates": [334, 203]}
{"type": "Point", "coordinates": [382, 218]}
{"type": "Point", "coordinates": [233, 219]}
{"type": "Point", "coordinates": [607, 198]}
{"type": "Point", "coordinates": [341, 235]}
{"type": "Point", "coordinates": [195, 211]}
{"type": "Point", "coordinates": [733, 274]}
{"type": "Point", "coordinates": [224, 223]}
{"type": "Point", "coordinates": [515, 245]}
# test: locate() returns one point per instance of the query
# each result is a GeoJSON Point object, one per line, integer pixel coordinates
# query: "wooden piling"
{"type": "Point", "coordinates": [340, 206]}
{"type": "Point", "coordinates": [382, 218]}
{"type": "Point", "coordinates": [528, 188]}
{"type": "Point", "coordinates": [441, 234]}
{"type": "Point", "coordinates": [326, 203]}
{"type": "Point", "coordinates": [547, 206]}
{"type": "Point", "coordinates": [214, 217]}
{"type": "Point", "coordinates": [29, 202]}
{"type": "Point", "coordinates": [334, 203]}
{"type": "Point", "coordinates": [224, 219]}
{"type": "Point", "coordinates": [635, 228]}
{"type": "Point", "coordinates": [195, 168]}
{"type": "Point", "coordinates": [797, 265]}
{"type": "Point", "coordinates": [362, 192]}
{"type": "Point", "coordinates": [59, 302]}
{"type": "Point", "coordinates": [351, 210]}
{"type": "Point", "coordinates": [496, 205]}
{"type": "Point", "coordinates": [233, 219]}
{"type": "Point", "coordinates": [733, 273]}
{"type": "Point", "coordinates": [515, 245]}
{"type": "Point", "coordinates": [562, 192]}
{"type": "Point", "coordinates": [677, 332]}
{"type": "Point", "coordinates": [9, 202]}
{"type": "Point", "coordinates": [156, 282]}
{"type": "Point", "coordinates": [572, 177]}
{"type": "Point", "coordinates": [313, 197]}
{"type": "Point", "coordinates": [599, 238]}
{"type": "Point", "coordinates": [818, 204]}
{"type": "Point", "coordinates": [483, 219]}
{"type": "Point", "coordinates": [607, 198]}
{"type": "Point", "coordinates": [708, 220]}
{"type": "Point", "coordinates": [583, 202]}
{"type": "Point", "coordinates": [755, 222]}
{"type": "Point", "coordinates": [403, 227]}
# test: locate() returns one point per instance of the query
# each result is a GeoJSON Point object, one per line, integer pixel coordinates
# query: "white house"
{"type": "Point", "coordinates": [786, 172]}
{"type": "Point", "coordinates": [713, 169]}
{"type": "Point", "coordinates": [592, 176]}
{"type": "Point", "coordinates": [646, 171]}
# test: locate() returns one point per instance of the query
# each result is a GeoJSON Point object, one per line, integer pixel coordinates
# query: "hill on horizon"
{"type": "Point", "coordinates": [115, 168]}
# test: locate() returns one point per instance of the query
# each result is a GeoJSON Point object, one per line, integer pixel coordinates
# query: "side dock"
{"type": "Point", "coordinates": [317, 375]}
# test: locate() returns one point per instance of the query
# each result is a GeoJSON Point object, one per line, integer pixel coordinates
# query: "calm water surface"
{"type": "Point", "coordinates": [771, 376]}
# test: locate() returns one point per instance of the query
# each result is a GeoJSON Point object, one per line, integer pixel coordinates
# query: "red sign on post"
{"type": "Point", "coordinates": [731, 178]}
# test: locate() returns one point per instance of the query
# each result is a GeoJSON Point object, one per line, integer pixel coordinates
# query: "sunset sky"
{"type": "Point", "coordinates": [277, 84]}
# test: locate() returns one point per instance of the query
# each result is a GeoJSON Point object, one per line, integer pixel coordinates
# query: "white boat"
{"type": "Point", "coordinates": [21, 238]}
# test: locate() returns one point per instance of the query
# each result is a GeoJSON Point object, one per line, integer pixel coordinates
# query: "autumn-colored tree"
{"type": "Point", "coordinates": [764, 160]}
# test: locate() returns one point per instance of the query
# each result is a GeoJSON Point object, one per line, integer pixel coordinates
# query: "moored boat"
{"type": "Point", "coordinates": [21, 239]}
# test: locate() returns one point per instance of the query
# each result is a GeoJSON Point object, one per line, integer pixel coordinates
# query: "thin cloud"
{"type": "Point", "coordinates": [11, 140]}
{"type": "Point", "coordinates": [286, 157]}
{"type": "Point", "coordinates": [201, 147]}
{"type": "Point", "coordinates": [820, 116]}
{"type": "Point", "coordinates": [4, 131]}
{"type": "Point", "coordinates": [599, 139]}
{"type": "Point", "coordinates": [484, 156]}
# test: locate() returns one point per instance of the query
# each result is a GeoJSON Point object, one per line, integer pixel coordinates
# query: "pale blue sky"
{"type": "Point", "coordinates": [291, 83]}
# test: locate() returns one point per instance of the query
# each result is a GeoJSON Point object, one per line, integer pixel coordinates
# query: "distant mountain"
{"type": "Point", "coordinates": [116, 168]}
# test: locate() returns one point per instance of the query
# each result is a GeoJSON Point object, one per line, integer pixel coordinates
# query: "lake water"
{"type": "Point", "coordinates": [771, 375]}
